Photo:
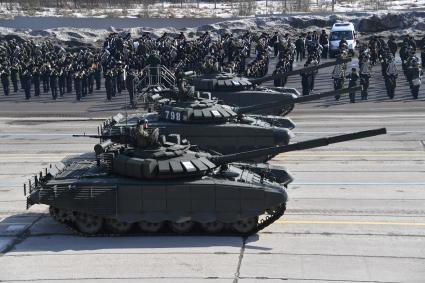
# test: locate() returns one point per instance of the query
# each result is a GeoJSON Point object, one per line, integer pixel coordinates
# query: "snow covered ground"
{"type": "Point", "coordinates": [218, 10]}
{"type": "Point", "coordinates": [367, 24]}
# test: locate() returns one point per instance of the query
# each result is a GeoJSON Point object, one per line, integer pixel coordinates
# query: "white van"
{"type": "Point", "coordinates": [339, 31]}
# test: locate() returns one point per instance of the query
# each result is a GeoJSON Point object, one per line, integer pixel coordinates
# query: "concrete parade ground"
{"type": "Point", "coordinates": [356, 211]}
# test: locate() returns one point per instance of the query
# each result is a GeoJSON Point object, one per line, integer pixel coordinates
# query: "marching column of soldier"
{"type": "Point", "coordinates": [43, 68]}
{"type": "Point", "coordinates": [379, 51]}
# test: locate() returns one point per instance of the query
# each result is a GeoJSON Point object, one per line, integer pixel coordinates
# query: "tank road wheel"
{"type": "Point", "coordinates": [54, 212]}
{"type": "Point", "coordinates": [150, 227]}
{"type": "Point", "coordinates": [116, 226]}
{"type": "Point", "coordinates": [60, 215]}
{"type": "Point", "coordinates": [212, 227]}
{"type": "Point", "coordinates": [245, 226]}
{"type": "Point", "coordinates": [87, 223]}
{"type": "Point", "coordinates": [181, 227]}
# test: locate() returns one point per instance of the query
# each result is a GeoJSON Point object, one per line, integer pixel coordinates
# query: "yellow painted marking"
{"type": "Point", "coordinates": [330, 222]}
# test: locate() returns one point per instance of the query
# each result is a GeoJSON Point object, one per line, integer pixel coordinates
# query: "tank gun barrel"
{"type": "Point", "coordinates": [97, 136]}
{"type": "Point", "coordinates": [299, 71]}
{"type": "Point", "coordinates": [249, 155]}
{"type": "Point", "coordinates": [121, 139]}
{"type": "Point", "coordinates": [256, 107]}
{"type": "Point", "coordinates": [326, 94]}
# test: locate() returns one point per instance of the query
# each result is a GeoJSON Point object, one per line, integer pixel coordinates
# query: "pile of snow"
{"type": "Point", "coordinates": [211, 9]}
{"type": "Point", "coordinates": [366, 23]}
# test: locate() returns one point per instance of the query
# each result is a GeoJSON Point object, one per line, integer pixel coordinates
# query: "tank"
{"type": "Point", "coordinates": [212, 125]}
{"type": "Point", "coordinates": [242, 91]}
{"type": "Point", "coordinates": [166, 186]}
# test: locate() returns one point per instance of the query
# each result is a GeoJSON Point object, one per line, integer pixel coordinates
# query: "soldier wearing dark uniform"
{"type": "Point", "coordinates": [422, 44]}
{"type": "Point", "coordinates": [404, 54]}
{"type": "Point", "coordinates": [5, 74]}
{"type": "Point", "coordinates": [14, 73]}
{"type": "Point", "coordinates": [390, 77]}
{"type": "Point", "coordinates": [84, 83]}
{"type": "Point", "coordinates": [338, 75]}
{"type": "Point", "coordinates": [54, 82]}
{"type": "Point", "coordinates": [22, 68]}
{"type": "Point", "coordinates": [364, 67]}
{"type": "Point", "coordinates": [36, 74]}
{"type": "Point", "coordinates": [130, 82]}
{"type": "Point", "coordinates": [274, 41]}
{"type": "Point", "coordinates": [300, 48]}
{"type": "Point", "coordinates": [414, 76]}
{"type": "Point", "coordinates": [98, 75]}
{"type": "Point", "coordinates": [62, 81]}
{"type": "Point", "coordinates": [114, 82]}
{"type": "Point", "coordinates": [90, 78]}
{"type": "Point", "coordinates": [392, 45]}
{"type": "Point", "coordinates": [306, 80]}
{"type": "Point", "coordinates": [353, 77]}
{"type": "Point", "coordinates": [45, 75]}
{"type": "Point", "coordinates": [280, 69]}
{"type": "Point", "coordinates": [26, 81]}
{"type": "Point", "coordinates": [77, 85]}
{"type": "Point", "coordinates": [109, 84]}
{"type": "Point", "coordinates": [324, 42]}
{"type": "Point", "coordinates": [69, 78]}
{"type": "Point", "coordinates": [120, 78]}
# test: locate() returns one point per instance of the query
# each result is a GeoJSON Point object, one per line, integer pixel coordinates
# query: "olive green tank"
{"type": "Point", "coordinates": [167, 185]}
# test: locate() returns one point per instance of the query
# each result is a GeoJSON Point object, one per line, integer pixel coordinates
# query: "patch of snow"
{"type": "Point", "coordinates": [293, 25]}
{"type": "Point", "coordinates": [211, 10]}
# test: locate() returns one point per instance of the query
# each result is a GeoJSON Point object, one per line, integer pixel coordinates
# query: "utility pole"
{"type": "Point", "coordinates": [333, 5]}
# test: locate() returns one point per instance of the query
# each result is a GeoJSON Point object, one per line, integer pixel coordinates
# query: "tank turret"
{"type": "Point", "coordinates": [232, 82]}
{"type": "Point", "coordinates": [208, 124]}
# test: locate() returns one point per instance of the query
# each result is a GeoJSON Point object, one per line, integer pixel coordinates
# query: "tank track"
{"type": "Point", "coordinates": [287, 109]}
{"type": "Point", "coordinates": [261, 224]}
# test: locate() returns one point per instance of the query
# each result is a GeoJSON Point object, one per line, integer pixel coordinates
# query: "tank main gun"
{"type": "Point", "coordinates": [299, 71]}
{"type": "Point", "coordinates": [249, 155]}
{"type": "Point", "coordinates": [288, 102]}
{"type": "Point", "coordinates": [318, 96]}
{"type": "Point", "coordinates": [253, 108]}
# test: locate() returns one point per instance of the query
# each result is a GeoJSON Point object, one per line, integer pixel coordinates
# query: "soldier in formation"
{"type": "Point", "coordinates": [365, 67]}
{"type": "Point", "coordinates": [353, 77]}
{"type": "Point", "coordinates": [122, 59]}
{"type": "Point", "coordinates": [4, 76]}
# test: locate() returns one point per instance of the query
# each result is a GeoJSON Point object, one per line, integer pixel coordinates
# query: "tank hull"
{"type": "Point", "coordinates": [129, 200]}
{"type": "Point", "coordinates": [203, 201]}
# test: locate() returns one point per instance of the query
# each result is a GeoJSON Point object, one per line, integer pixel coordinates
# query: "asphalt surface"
{"type": "Point", "coordinates": [356, 211]}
